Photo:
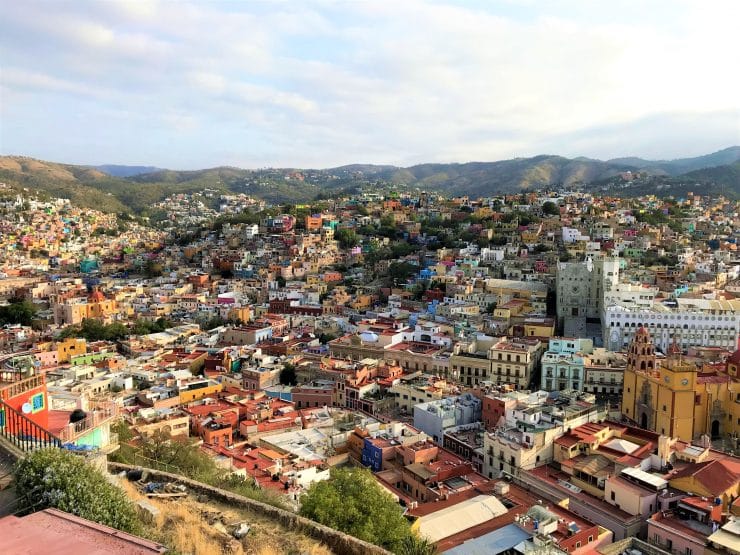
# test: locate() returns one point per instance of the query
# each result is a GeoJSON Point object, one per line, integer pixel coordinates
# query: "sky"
{"type": "Point", "coordinates": [187, 85]}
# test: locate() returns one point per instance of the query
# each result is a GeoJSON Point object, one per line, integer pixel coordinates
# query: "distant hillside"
{"type": "Point", "coordinates": [719, 180]}
{"type": "Point", "coordinates": [91, 187]}
{"type": "Point", "coordinates": [728, 175]}
{"type": "Point", "coordinates": [487, 178]}
{"type": "Point", "coordinates": [683, 165]}
{"type": "Point", "coordinates": [126, 171]}
{"type": "Point", "coordinates": [62, 181]}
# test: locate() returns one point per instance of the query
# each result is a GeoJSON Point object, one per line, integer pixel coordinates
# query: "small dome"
{"type": "Point", "coordinates": [96, 296]}
{"type": "Point", "coordinates": [642, 330]}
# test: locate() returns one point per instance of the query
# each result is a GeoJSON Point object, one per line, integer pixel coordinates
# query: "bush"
{"type": "Point", "coordinates": [64, 481]}
{"type": "Point", "coordinates": [352, 501]}
{"type": "Point", "coordinates": [183, 456]}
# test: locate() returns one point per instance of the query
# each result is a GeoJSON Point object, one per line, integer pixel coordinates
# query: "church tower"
{"type": "Point", "coordinates": [638, 397]}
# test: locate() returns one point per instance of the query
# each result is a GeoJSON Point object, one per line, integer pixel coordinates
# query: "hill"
{"type": "Point", "coordinates": [90, 187]}
{"type": "Point", "coordinates": [486, 178]}
{"type": "Point", "coordinates": [126, 171]}
{"type": "Point", "coordinates": [680, 166]}
{"type": "Point", "coordinates": [715, 181]}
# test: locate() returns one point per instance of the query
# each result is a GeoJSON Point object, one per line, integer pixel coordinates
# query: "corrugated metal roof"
{"type": "Point", "coordinates": [459, 517]}
{"type": "Point", "coordinates": [492, 543]}
{"type": "Point", "coordinates": [646, 477]}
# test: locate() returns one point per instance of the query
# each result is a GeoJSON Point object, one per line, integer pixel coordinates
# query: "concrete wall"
{"type": "Point", "coordinates": [338, 542]}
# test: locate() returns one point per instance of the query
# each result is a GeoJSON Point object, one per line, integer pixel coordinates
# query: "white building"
{"type": "Point", "coordinates": [630, 294]}
{"type": "Point", "coordinates": [434, 417]}
{"type": "Point", "coordinates": [251, 231]}
{"type": "Point", "coordinates": [572, 235]}
{"type": "Point", "coordinates": [693, 323]}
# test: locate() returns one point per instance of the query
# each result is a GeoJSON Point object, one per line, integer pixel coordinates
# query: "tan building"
{"type": "Point", "coordinates": [497, 360]}
{"type": "Point", "coordinates": [74, 311]}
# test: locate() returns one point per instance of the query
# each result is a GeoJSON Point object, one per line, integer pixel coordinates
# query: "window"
{"type": "Point", "coordinates": [37, 403]}
{"type": "Point", "coordinates": [614, 496]}
{"type": "Point", "coordinates": [590, 539]}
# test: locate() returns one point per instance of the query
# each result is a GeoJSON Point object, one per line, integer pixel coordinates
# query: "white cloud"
{"type": "Point", "coordinates": [334, 82]}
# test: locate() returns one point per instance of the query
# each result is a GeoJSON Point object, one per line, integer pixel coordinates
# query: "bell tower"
{"type": "Point", "coordinates": [637, 394]}
{"type": "Point", "coordinates": [641, 353]}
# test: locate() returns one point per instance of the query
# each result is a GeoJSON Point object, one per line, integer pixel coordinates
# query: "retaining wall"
{"type": "Point", "coordinates": [338, 542]}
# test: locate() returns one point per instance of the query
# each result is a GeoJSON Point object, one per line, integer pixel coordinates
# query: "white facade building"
{"type": "Point", "coordinates": [693, 323]}
{"type": "Point", "coordinates": [630, 294]}
{"type": "Point", "coordinates": [434, 417]}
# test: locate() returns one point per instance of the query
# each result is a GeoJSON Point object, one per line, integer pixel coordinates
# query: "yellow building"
{"type": "Point", "coordinates": [243, 313]}
{"type": "Point", "coordinates": [672, 397]}
{"type": "Point", "coordinates": [96, 305]}
{"type": "Point", "coordinates": [714, 479]}
{"type": "Point", "coordinates": [362, 302]}
{"type": "Point", "coordinates": [72, 346]}
{"type": "Point", "coordinates": [197, 389]}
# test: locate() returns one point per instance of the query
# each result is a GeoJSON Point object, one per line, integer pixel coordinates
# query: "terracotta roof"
{"type": "Point", "coordinates": [716, 476]}
{"type": "Point", "coordinates": [734, 358]}
{"type": "Point", "coordinates": [54, 531]}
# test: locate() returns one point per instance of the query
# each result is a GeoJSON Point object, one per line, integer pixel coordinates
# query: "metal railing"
{"type": "Point", "coordinates": [22, 432]}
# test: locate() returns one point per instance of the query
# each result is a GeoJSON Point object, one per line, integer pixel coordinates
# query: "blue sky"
{"type": "Point", "coordinates": [188, 85]}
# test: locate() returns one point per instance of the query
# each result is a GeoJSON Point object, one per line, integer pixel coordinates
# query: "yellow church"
{"type": "Point", "coordinates": [674, 397]}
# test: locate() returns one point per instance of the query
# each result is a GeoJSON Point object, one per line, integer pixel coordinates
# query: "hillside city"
{"type": "Point", "coordinates": [552, 371]}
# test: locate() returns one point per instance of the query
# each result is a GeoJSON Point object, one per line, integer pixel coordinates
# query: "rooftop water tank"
{"type": "Point", "coordinates": [369, 337]}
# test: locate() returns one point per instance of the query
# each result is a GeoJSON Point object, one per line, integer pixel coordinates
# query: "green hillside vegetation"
{"type": "Point", "coordinates": [681, 166]}
{"type": "Point", "coordinates": [727, 176]}
{"type": "Point", "coordinates": [89, 187]}
{"type": "Point", "coordinates": [720, 180]}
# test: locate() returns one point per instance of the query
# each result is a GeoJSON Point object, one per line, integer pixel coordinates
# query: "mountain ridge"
{"type": "Point", "coordinates": [90, 186]}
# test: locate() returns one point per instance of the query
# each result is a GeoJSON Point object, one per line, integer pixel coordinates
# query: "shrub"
{"type": "Point", "coordinates": [352, 501]}
{"type": "Point", "coordinates": [62, 480]}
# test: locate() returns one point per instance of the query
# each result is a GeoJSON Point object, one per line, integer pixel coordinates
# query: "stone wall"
{"type": "Point", "coordinates": [338, 542]}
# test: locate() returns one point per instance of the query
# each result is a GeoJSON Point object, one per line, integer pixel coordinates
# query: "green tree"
{"type": "Point", "coordinates": [352, 501]}
{"type": "Point", "coordinates": [288, 375]}
{"type": "Point", "coordinates": [152, 268]}
{"type": "Point", "coordinates": [324, 338]}
{"type": "Point", "coordinates": [18, 311]}
{"type": "Point", "coordinates": [347, 238]}
{"type": "Point", "coordinates": [549, 208]}
{"type": "Point", "coordinates": [401, 271]}
{"type": "Point", "coordinates": [62, 480]}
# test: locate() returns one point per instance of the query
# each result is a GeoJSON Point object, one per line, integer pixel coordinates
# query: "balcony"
{"type": "Point", "coordinates": [19, 387]}
{"type": "Point", "coordinates": [100, 414]}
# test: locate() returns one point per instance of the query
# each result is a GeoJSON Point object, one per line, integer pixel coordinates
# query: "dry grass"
{"type": "Point", "coordinates": [186, 526]}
